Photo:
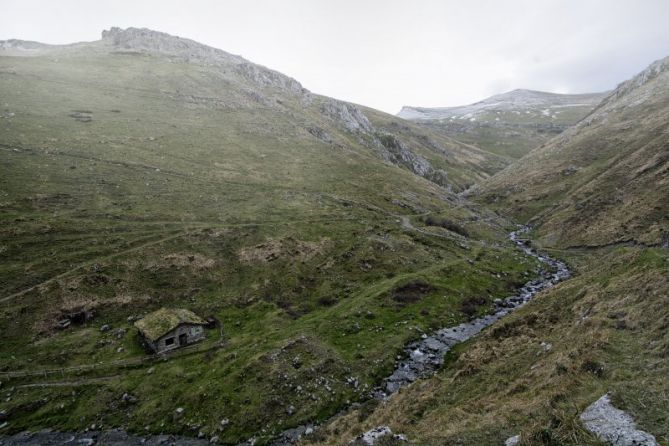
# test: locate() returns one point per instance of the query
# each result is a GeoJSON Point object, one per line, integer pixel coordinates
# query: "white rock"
{"type": "Point", "coordinates": [371, 436]}
{"type": "Point", "coordinates": [613, 425]}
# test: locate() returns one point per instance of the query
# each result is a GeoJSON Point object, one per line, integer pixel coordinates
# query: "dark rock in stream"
{"type": "Point", "coordinates": [109, 438]}
{"type": "Point", "coordinates": [425, 356]}
{"type": "Point", "coordinates": [420, 359]}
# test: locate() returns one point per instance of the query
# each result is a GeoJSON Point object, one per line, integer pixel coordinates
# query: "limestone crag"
{"type": "Point", "coordinates": [154, 42]}
{"type": "Point", "coordinates": [614, 426]}
{"type": "Point", "coordinates": [348, 115]}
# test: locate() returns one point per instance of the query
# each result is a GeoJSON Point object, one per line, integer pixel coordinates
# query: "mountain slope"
{"type": "Point", "coordinates": [596, 196]}
{"type": "Point", "coordinates": [145, 170]}
{"type": "Point", "coordinates": [509, 124]}
{"type": "Point", "coordinates": [606, 180]}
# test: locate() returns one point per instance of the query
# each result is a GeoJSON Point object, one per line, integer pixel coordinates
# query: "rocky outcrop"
{"type": "Point", "coordinates": [387, 145]}
{"type": "Point", "coordinates": [347, 115]}
{"type": "Point", "coordinates": [26, 45]}
{"type": "Point", "coordinates": [613, 425]}
{"type": "Point", "coordinates": [154, 42]}
{"type": "Point", "coordinates": [149, 41]}
{"type": "Point", "coordinates": [400, 154]}
{"type": "Point", "coordinates": [269, 78]}
{"type": "Point", "coordinates": [372, 436]}
{"type": "Point", "coordinates": [651, 72]}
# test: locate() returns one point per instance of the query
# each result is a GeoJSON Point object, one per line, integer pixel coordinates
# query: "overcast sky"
{"type": "Point", "coordinates": [389, 53]}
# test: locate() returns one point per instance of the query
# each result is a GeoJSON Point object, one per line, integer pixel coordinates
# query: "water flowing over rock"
{"type": "Point", "coordinates": [421, 358]}
{"type": "Point", "coordinates": [110, 438]}
{"type": "Point", "coordinates": [426, 355]}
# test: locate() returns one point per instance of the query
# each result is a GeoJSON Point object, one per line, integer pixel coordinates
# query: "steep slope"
{"type": "Point", "coordinates": [509, 124]}
{"type": "Point", "coordinates": [145, 170]}
{"type": "Point", "coordinates": [606, 180]}
{"type": "Point", "coordinates": [597, 197]}
{"type": "Point", "coordinates": [535, 372]}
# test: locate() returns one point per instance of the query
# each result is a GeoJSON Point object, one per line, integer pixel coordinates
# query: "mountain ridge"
{"type": "Point", "coordinates": [141, 171]}
{"type": "Point", "coordinates": [518, 99]}
{"type": "Point", "coordinates": [145, 171]}
{"type": "Point", "coordinates": [595, 195]}
{"type": "Point", "coordinates": [508, 124]}
{"type": "Point", "coordinates": [593, 174]}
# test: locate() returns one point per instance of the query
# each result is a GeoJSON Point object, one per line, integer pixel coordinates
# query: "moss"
{"type": "Point", "coordinates": [154, 325]}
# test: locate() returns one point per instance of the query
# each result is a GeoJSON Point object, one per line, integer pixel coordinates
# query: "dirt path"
{"type": "Point", "coordinates": [91, 262]}
{"type": "Point", "coordinates": [406, 223]}
{"type": "Point", "coordinates": [78, 382]}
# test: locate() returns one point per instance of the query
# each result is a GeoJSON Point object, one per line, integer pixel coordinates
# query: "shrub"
{"type": "Point", "coordinates": [446, 224]}
{"type": "Point", "coordinates": [411, 292]}
{"type": "Point", "coordinates": [470, 305]}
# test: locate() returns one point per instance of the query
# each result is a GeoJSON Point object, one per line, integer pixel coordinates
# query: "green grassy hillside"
{"type": "Point", "coordinates": [605, 180]}
{"type": "Point", "coordinates": [597, 197]}
{"type": "Point", "coordinates": [143, 171]}
{"type": "Point", "coordinates": [535, 372]}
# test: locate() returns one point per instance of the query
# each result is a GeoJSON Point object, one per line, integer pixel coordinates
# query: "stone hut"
{"type": "Point", "coordinates": [170, 328]}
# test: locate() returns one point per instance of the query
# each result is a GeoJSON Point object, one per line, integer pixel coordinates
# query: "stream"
{"type": "Point", "coordinates": [420, 359]}
{"type": "Point", "coordinates": [423, 357]}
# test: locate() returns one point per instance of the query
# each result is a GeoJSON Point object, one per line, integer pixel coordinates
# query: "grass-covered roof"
{"type": "Point", "coordinates": [160, 322]}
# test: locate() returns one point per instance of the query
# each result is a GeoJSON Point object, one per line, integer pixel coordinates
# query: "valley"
{"type": "Point", "coordinates": [358, 263]}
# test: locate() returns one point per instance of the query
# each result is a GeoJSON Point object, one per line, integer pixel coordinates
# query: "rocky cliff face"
{"type": "Point", "coordinates": [186, 50]}
{"type": "Point", "coordinates": [634, 92]}
{"type": "Point", "coordinates": [146, 40]}
{"type": "Point", "coordinates": [654, 70]}
{"type": "Point", "coordinates": [387, 145]}
{"type": "Point", "coordinates": [348, 115]}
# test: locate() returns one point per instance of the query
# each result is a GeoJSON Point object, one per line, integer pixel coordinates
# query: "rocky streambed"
{"type": "Point", "coordinates": [420, 359]}
{"type": "Point", "coordinates": [427, 354]}
{"type": "Point", "coordinates": [423, 357]}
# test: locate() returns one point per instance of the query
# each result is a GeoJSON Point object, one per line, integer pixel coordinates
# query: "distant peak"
{"type": "Point", "coordinates": [518, 100]}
